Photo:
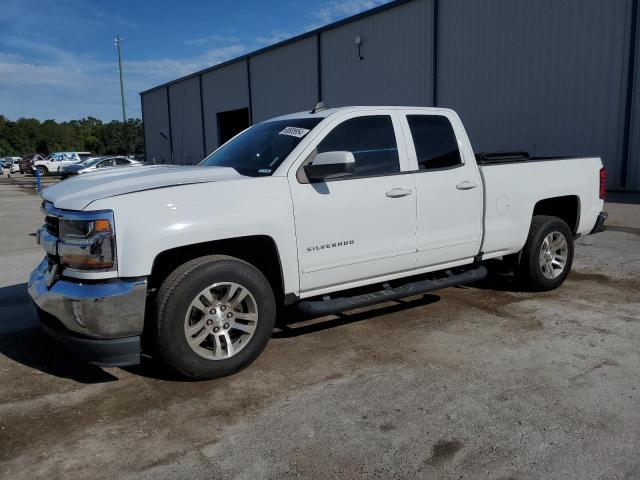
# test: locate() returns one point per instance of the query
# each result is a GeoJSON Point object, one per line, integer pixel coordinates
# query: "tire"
{"type": "Point", "coordinates": [185, 307]}
{"type": "Point", "coordinates": [540, 267]}
{"type": "Point", "coordinates": [42, 171]}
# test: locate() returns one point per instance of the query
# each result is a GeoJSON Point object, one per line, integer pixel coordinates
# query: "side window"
{"type": "Point", "coordinates": [105, 163]}
{"type": "Point", "coordinates": [122, 161]}
{"type": "Point", "coordinates": [372, 141]}
{"type": "Point", "coordinates": [435, 142]}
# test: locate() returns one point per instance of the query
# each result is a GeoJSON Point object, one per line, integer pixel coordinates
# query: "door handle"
{"type": "Point", "coordinates": [398, 192]}
{"type": "Point", "coordinates": [466, 185]}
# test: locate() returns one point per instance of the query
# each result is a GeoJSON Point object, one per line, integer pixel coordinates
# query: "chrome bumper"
{"type": "Point", "coordinates": [105, 310]}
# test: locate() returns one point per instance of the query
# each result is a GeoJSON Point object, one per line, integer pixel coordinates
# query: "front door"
{"type": "Point", "coordinates": [362, 226]}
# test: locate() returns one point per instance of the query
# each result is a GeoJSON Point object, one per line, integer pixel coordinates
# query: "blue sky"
{"type": "Point", "coordinates": [58, 60]}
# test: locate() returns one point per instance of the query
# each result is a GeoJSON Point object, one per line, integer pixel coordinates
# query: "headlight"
{"type": "Point", "coordinates": [74, 231]}
{"type": "Point", "coordinates": [87, 244]}
{"type": "Point", "coordinates": [79, 240]}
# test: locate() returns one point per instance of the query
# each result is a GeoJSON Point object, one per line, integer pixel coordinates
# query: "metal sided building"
{"type": "Point", "coordinates": [546, 76]}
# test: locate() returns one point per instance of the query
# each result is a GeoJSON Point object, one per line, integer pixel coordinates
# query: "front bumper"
{"type": "Point", "coordinates": [102, 321]}
{"type": "Point", "coordinates": [599, 226]}
{"type": "Point", "coordinates": [112, 352]}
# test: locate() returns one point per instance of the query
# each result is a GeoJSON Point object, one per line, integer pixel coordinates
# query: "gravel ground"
{"type": "Point", "coordinates": [474, 382]}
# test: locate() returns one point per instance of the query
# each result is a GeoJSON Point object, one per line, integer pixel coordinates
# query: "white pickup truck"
{"type": "Point", "coordinates": [321, 211]}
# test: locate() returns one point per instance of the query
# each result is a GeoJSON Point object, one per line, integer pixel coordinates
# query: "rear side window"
{"type": "Point", "coordinates": [435, 142]}
{"type": "Point", "coordinates": [105, 163]}
{"type": "Point", "coordinates": [372, 141]}
{"type": "Point", "coordinates": [122, 161]}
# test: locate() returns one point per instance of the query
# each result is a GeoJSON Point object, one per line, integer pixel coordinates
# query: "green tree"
{"type": "Point", "coordinates": [29, 135]}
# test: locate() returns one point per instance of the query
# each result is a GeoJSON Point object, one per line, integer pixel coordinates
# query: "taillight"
{"type": "Point", "coordinates": [603, 183]}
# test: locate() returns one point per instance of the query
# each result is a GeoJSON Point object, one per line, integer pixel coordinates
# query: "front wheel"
{"type": "Point", "coordinates": [215, 315]}
{"type": "Point", "coordinates": [546, 258]}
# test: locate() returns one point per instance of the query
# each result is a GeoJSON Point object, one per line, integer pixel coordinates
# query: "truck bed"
{"type": "Point", "coordinates": [510, 198]}
{"type": "Point", "coordinates": [500, 158]}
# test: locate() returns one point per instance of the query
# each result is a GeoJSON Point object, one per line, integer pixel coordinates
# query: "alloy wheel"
{"type": "Point", "coordinates": [553, 255]}
{"type": "Point", "coordinates": [221, 320]}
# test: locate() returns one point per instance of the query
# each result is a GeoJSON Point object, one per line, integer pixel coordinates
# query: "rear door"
{"type": "Point", "coordinates": [449, 189]}
{"type": "Point", "coordinates": [105, 163]}
{"type": "Point", "coordinates": [361, 226]}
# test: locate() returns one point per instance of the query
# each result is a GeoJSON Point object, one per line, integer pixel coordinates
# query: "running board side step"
{"type": "Point", "coordinates": [327, 306]}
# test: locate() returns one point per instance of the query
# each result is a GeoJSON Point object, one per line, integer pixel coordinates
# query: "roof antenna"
{"type": "Point", "coordinates": [318, 108]}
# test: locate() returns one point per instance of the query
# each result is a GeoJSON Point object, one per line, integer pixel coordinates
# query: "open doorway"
{"type": "Point", "coordinates": [231, 123]}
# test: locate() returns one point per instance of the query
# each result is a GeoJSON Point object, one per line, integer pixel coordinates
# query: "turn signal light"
{"type": "Point", "coordinates": [101, 226]}
{"type": "Point", "coordinates": [82, 261]}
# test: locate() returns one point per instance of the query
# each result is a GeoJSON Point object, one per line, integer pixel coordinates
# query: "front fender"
{"type": "Point", "coordinates": [153, 221]}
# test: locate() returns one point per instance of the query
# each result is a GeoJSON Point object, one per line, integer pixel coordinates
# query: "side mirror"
{"type": "Point", "coordinates": [328, 165]}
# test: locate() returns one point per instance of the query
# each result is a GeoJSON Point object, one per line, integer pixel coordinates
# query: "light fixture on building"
{"type": "Point", "coordinates": [359, 45]}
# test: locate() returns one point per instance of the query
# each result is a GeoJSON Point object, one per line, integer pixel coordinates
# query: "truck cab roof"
{"type": "Point", "coordinates": [331, 111]}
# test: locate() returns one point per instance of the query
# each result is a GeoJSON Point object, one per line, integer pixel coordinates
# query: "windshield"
{"type": "Point", "coordinates": [259, 150]}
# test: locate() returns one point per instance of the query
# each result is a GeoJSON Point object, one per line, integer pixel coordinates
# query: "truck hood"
{"type": "Point", "coordinates": [78, 192]}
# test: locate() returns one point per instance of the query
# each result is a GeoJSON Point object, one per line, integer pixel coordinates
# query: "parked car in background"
{"type": "Point", "coordinates": [54, 162]}
{"type": "Point", "coordinates": [95, 163]}
{"type": "Point", "coordinates": [8, 161]}
{"type": "Point", "coordinates": [15, 166]}
{"type": "Point", "coordinates": [26, 164]}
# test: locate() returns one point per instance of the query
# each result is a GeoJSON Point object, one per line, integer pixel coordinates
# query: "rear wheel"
{"type": "Point", "coordinates": [546, 258]}
{"type": "Point", "coordinates": [215, 315]}
{"type": "Point", "coordinates": [42, 171]}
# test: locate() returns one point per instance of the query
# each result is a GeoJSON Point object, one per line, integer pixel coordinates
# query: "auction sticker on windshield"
{"type": "Point", "coordinates": [294, 132]}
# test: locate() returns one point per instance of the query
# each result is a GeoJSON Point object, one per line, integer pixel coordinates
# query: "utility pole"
{"type": "Point", "coordinates": [117, 41]}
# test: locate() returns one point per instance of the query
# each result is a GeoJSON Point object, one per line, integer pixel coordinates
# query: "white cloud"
{"type": "Point", "coordinates": [336, 9]}
{"type": "Point", "coordinates": [89, 85]}
{"type": "Point", "coordinates": [209, 39]}
{"type": "Point", "coordinates": [22, 74]}
{"type": "Point", "coordinates": [159, 70]}
{"type": "Point", "coordinates": [39, 78]}
{"type": "Point", "coordinates": [275, 37]}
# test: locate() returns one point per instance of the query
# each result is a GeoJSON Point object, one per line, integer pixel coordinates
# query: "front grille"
{"type": "Point", "coordinates": [53, 225]}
